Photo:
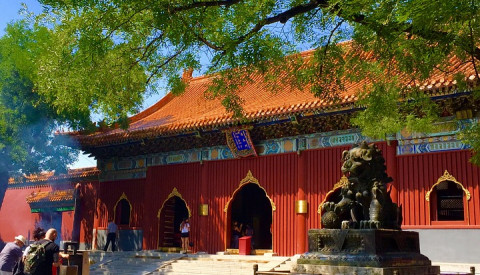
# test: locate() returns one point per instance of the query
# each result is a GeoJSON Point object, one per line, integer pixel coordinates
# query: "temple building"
{"type": "Point", "coordinates": [187, 157]}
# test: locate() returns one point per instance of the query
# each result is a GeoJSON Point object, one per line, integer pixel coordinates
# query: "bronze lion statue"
{"type": "Point", "coordinates": [365, 202]}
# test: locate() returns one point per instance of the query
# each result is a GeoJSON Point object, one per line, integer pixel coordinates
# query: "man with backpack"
{"type": "Point", "coordinates": [43, 254]}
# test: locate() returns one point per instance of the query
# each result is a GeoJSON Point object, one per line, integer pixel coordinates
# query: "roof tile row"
{"type": "Point", "coordinates": [193, 111]}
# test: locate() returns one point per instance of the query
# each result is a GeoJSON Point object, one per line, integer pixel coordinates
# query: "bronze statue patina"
{"type": "Point", "coordinates": [365, 202]}
{"type": "Point", "coordinates": [361, 233]}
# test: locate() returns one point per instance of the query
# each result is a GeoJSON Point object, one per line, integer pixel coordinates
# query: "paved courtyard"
{"type": "Point", "coordinates": [160, 263]}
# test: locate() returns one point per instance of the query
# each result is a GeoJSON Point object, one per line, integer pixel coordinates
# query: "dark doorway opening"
{"type": "Point", "coordinates": [250, 206]}
{"type": "Point", "coordinates": [122, 213]}
{"type": "Point", "coordinates": [173, 212]}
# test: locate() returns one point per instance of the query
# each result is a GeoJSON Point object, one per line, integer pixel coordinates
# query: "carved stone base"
{"type": "Point", "coordinates": [358, 270]}
{"type": "Point", "coordinates": [364, 251]}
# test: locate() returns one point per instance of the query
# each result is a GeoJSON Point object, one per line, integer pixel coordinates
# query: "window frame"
{"type": "Point", "coordinates": [432, 197]}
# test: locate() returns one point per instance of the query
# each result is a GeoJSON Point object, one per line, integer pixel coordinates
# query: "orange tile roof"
{"type": "Point", "coordinates": [50, 176]}
{"type": "Point", "coordinates": [192, 111]}
{"type": "Point", "coordinates": [52, 196]}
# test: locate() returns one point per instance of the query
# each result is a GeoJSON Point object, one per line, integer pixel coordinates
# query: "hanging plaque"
{"type": "Point", "coordinates": [240, 143]}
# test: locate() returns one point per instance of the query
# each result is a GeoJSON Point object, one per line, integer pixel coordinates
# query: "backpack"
{"type": "Point", "coordinates": [35, 256]}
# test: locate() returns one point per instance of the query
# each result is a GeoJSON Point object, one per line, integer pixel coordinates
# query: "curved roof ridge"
{"type": "Point", "coordinates": [163, 101]}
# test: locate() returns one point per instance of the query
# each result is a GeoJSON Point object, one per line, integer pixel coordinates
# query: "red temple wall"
{"type": "Point", "coordinates": [15, 215]}
{"type": "Point", "coordinates": [160, 183]}
{"type": "Point", "coordinates": [15, 205]}
{"type": "Point", "coordinates": [214, 183]}
{"type": "Point", "coordinates": [88, 199]}
{"type": "Point", "coordinates": [418, 173]}
{"type": "Point", "coordinates": [67, 225]}
{"type": "Point", "coordinates": [322, 172]}
{"type": "Point", "coordinates": [109, 194]}
{"type": "Point", "coordinates": [286, 178]}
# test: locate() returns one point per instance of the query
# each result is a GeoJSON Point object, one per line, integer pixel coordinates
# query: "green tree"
{"type": "Point", "coordinates": [28, 143]}
{"type": "Point", "coordinates": [108, 53]}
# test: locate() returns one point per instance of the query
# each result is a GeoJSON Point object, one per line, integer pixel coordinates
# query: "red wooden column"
{"type": "Point", "coordinates": [203, 220]}
{"type": "Point", "coordinates": [301, 218]}
{"type": "Point", "coordinates": [391, 163]}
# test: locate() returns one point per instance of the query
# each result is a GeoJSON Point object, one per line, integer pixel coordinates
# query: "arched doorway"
{"type": "Point", "coordinates": [251, 206]}
{"type": "Point", "coordinates": [122, 211]}
{"type": "Point", "coordinates": [173, 211]}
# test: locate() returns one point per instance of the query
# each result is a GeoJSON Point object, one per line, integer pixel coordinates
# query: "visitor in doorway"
{"type": "Point", "coordinates": [11, 254]}
{"type": "Point", "coordinates": [112, 231]}
{"type": "Point", "coordinates": [185, 234]}
{"type": "Point", "coordinates": [236, 233]}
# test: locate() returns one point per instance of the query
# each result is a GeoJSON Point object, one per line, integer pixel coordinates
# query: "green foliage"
{"type": "Point", "coordinates": [27, 123]}
{"type": "Point", "coordinates": [103, 56]}
{"type": "Point", "coordinates": [382, 113]}
{"type": "Point", "coordinates": [107, 54]}
{"type": "Point", "coordinates": [472, 137]}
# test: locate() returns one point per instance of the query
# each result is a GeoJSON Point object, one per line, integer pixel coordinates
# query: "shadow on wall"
{"type": "Point", "coordinates": [2, 243]}
{"type": "Point", "coordinates": [3, 186]}
{"type": "Point", "coordinates": [87, 213]}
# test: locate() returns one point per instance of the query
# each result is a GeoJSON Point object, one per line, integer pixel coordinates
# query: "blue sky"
{"type": "Point", "coordinates": [9, 11]}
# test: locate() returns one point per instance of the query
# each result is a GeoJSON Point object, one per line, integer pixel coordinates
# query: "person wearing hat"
{"type": "Point", "coordinates": [11, 254]}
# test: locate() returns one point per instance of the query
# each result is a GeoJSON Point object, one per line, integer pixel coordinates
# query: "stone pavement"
{"type": "Point", "coordinates": [128, 262]}
{"type": "Point", "coordinates": [159, 263]}
{"type": "Point", "coordinates": [162, 263]}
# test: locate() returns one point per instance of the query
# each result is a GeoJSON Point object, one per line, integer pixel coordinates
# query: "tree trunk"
{"type": "Point", "coordinates": [3, 186]}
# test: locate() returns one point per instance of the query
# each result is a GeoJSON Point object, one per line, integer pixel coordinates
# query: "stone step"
{"type": "Point", "coordinates": [287, 265]}
{"type": "Point", "coordinates": [221, 264]}
{"type": "Point", "coordinates": [156, 262]}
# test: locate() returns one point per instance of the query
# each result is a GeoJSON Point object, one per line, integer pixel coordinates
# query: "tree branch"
{"type": "Point", "coordinates": [147, 50]}
{"type": "Point", "coordinates": [407, 28]}
{"type": "Point", "coordinates": [124, 22]}
{"type": "Point", "coordinates": [283, 17]}
{"type": "Point", "coordinates": [328, 43]}
{"type": "Point", "coordinates": [224, 3]}
{"type": "Point", "coordinates": [170, 58]}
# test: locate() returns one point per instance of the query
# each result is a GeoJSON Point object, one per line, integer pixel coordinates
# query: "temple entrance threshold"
{"type": "Point", "coordinates": [173, 212]}
{"type": "Point", "coordinates": [251, 207]}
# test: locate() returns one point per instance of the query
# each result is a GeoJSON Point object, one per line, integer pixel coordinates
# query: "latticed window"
{"type": "Point", "coordinates": [450, 204]}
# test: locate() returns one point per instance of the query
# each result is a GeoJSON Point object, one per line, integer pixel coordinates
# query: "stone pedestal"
{"type": "Point", "coordinates": [364, 251]}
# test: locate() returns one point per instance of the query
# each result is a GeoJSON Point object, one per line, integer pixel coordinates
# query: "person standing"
{"type": "Point", "coordinates": [11, 254]}
{"type": "Point", "coordinates": [53, 255]}
{"type": "Point", "coordinates": [112, 230]}
{"type": "Point", "coordinates": [38, 234]}
{"type": "Point", "coordinates": [185, 234]}
{"type": "Point", "coordinates": [236, 233]}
